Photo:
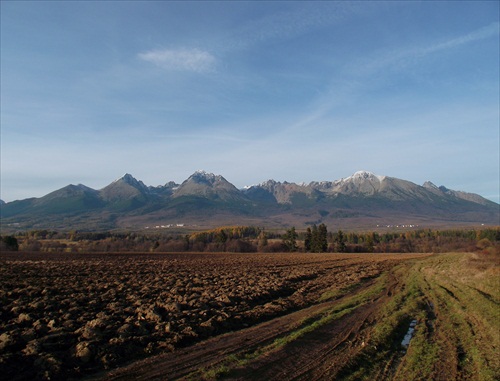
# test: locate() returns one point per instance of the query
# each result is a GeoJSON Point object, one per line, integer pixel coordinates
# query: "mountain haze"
{"type": "Point", "coordinates": [362, 200]}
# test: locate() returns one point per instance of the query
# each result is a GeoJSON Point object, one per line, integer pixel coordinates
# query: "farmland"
{"type": "Point", "coordinates": [252, 316]}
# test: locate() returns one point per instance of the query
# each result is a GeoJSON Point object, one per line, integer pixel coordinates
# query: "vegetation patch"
{"type": "Point", "coordinates": [457, 327]}
{"type": "Point", "coordinates": [321, 318]}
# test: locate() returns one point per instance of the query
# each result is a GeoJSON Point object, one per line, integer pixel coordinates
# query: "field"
{"type": "Point", "coordinates": [249, 316]}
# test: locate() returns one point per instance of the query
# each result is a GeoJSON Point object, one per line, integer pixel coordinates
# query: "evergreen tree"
{"type": "Point", "coordinates": [308, 240]}
{"type": "Point", "coordinates": [322, 238]}
{"type": "Point", "coordinates": [319, 239]}
{"type": "Point", "coordinates": [369, 243]}
{"type": "Point", "coordinates": [340, 242]}
{"type": "Point", "coordinates": [314, 239]}
{"type": "Point", "coordinates": [9, 243]}
{"type": "Point", "coordinates": [290, 239]}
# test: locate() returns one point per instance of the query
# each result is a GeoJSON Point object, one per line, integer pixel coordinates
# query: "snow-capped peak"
{"type": "Point", "coordinates": [430, 185]}
{"type": "Point", "coordinates": [268, 183]}
{"type": "Point", "coordinates": [206, 176]}
{"type": "Point", "coordinates": [203, 172]}
{"type": "Point", "coordinates": [364, 175]}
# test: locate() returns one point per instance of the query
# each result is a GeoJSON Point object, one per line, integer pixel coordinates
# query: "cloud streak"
{"type": "Point", "coordinates": [194, 60]}
{"type": "Point", "coordinates": [296, 20]}
{"type": "Point", "coordinates": [403, 57]}
{"type": "Point", "coordinates": [480, 34]}
{"type": "Point", "coordinates": [359, 79]}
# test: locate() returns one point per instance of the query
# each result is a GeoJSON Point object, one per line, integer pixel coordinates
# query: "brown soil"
{"type": "Point", "coordinates": [65, 316]}
{"type": "Point", "coordinates": [310, 358]}
{"type": "Point", "coordinates": [318, 355]}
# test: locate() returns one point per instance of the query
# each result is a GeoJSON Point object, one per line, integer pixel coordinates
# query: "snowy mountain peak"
{"type": "Point", "coordinates": [202, 172]}
{"type": "Point", "coordinates": [364, 175]}
{"type": "Point", "coordinates": [361, 198]}
{"type": "Point", "coordinates": [206, 177]}
{"type": "Point", "coordinates": [269, 182]}
{"type": "Point", "coordinates": [430, 185]}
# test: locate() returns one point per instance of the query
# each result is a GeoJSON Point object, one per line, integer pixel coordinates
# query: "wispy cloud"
{"type": "Point", "coordinates": [482, 33]}
{"type": "Point", "coordinates": [196, 60]}
{"type": "Point", "coordinates": [357, 78]}
{"type": "Point", "coordinates": [401, 58]}
{"type": "Point", "coordinates": [296, 20]}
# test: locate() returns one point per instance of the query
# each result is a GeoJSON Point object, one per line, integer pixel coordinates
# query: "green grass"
{"type": "Point", "coordinates": [334, 313]}
{"type": "Point", "coordinates": [310, 324]}
{"type": "Point", "coordinates": [464, 328]}
{"type": "Point", "coordinates": [453, 297]}
{"type": "Point", "coordinates": [457, 327]}
{"type": "Point", "coordinates": [379, 357]}
{"type": "Point", "coordinates": [338, 292]}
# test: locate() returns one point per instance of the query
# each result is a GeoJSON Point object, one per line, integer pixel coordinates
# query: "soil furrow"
{"type": "Point", "coordinates": [317, 355]}
{"type": "Point", "coordinates": [215, 351]}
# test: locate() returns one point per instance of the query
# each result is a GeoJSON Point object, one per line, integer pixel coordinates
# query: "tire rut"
{"type": "Point", "coordinates": [214, 352]}
{"type": "Point", "coordinates": [318, 355]}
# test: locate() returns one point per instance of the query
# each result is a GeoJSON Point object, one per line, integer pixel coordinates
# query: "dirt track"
{"type": "Point", "coordinates": [317, 355]}
{"type": "Point", "coordinates": [191, 316]}
{"type": "Point", "coordinates": [249, 317]}
{"type": "Point", "coordinates": [322, 353]}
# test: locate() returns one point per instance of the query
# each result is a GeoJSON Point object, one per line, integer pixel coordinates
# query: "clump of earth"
{"type": "Point", "coordinates": [67, 315]}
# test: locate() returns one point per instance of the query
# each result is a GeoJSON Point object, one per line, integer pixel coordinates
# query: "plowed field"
{"type": "Point", "coordinates": [247, 317]}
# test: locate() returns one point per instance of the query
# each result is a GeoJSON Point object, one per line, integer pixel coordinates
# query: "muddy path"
{"type": "Point", "coordinates": [70, 316]}
{"type": "Point", "coordinates": [316, 355]}
{"type": "Point", "coordinates": [322, 353]}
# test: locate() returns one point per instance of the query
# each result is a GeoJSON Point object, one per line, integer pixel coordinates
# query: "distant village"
{"type": "Point", "coordinates": [398, 226]}
{"type": "Point", "coordinates": [168, 226]}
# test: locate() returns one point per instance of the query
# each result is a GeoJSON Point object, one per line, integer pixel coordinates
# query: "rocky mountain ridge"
{"type": "Point", "coordinates": [206, 198]}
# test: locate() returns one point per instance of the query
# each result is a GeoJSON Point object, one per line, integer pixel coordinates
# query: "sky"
{"type": "Point", "coordinates": [290, 91]}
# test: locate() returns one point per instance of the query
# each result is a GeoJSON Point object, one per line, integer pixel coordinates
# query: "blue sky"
{"type": "Point", "coordinates": [295, 91]}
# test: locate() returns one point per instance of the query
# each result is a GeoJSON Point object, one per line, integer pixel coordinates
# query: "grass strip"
{"type": "Point", "coordinates": [457, 311]}
{"type": "Point", "coordinates": [380, 356]}
{"type": "Point", "coordinates": [308, 325]}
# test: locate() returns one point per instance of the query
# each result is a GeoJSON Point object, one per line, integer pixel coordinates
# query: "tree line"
{"type": "Point", "coordinates": [248, 239]}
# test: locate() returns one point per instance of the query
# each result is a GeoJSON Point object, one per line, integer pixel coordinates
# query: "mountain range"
{"type": "Point", "coordinates": [360, 201]}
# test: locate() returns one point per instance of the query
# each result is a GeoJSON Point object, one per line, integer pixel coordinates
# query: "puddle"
{"type": "Point", "coordinates": [406, 340]}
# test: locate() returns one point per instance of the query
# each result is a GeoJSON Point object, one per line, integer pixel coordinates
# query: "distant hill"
{"type": "Point", "coordinates": [362, 200]}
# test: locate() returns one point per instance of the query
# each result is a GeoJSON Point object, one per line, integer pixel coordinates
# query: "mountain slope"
{"type": "Point", "coordinates": [443, 191]}
{"type": "Point", "coordinates": [282, 193]}
{"type": "Point", "coordinates": [70, 199]}
{"type": "Point", "coordinates": [208, 186]}
{"type": "Point", "coordinates": [360, 200]}
{"type": "Point", "coordinates": [125, 193]}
